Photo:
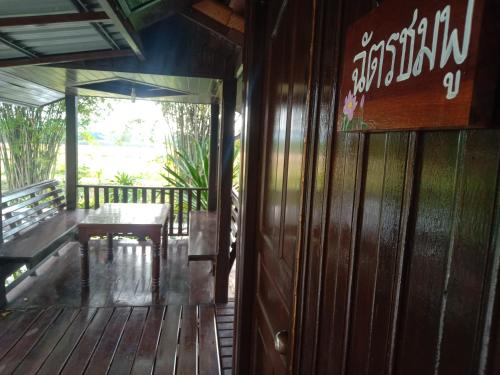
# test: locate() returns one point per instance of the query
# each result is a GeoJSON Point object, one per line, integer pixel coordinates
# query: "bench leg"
{"type": "Point", "coordinates": [84, 265]}
{"type": "Point", "coordinates": [110, 246]}
{"type": "Point", "coordinates": [155, 284]}
{"type": "Point", "coordinates": [3, 293]}
{"type": "Point", "coordinates": [164, 244]}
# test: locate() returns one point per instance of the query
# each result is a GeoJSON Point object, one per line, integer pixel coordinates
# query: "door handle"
{"type": "Point", "coordinates": [281, 342]}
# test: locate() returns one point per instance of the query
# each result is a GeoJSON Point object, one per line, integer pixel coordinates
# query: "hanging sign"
{"type": "Point", "coordinates": [419, 65]}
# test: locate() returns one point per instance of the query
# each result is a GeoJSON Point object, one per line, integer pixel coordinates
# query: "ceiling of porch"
{"type": "Point", "coordinates": [146, 49]}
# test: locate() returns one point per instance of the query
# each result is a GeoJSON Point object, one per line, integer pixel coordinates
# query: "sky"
{"type": "Point", "coordinates": [138, 121]}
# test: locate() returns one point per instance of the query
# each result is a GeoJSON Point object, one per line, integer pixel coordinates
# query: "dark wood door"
{"type": "Point", "coordinates": [279, 208]}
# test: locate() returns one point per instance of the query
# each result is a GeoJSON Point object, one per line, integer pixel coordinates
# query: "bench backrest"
{"type": "Point", "coordinates": [24, 208]}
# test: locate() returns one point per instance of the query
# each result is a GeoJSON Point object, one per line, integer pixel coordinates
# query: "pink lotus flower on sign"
{"type": "Point", "coordinates": [350, 104]}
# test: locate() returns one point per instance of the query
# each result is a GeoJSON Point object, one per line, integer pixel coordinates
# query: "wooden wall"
{"type": "Point", "coordinates": [402, 257]}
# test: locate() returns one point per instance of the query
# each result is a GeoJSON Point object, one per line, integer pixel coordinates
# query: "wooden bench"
{"type": "Point", "coordinates": [34, 224]}
{"type": "Point", "coordinates": [202, 242]}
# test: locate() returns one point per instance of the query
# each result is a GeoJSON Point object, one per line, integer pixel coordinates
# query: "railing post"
{"type": "Point", "coordinates": [71, 102]}
{"type": "Point", "coordinates": [212, 169]}
{"type": "Point", "coordinates": [1, 218]}
{"type": "Point", "coordinates": [225, 185]}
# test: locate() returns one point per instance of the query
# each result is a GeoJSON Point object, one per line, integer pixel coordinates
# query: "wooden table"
{"type": "Point", "coordinates": [137, 219]}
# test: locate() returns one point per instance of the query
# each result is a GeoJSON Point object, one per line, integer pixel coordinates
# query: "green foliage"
{"type": "Point", "coordinates": [124, 179]}
{"type": "Point", "coordinates": [186, 122]}
{"type": "Point", "coordinates": [185, 170]}
{"type": "Point", "coordinates": [31, 137]}
{"type": "Point", "coordinates": [187, 160]}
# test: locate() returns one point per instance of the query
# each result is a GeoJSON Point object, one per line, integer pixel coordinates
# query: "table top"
{"type": "Point", "coordinates": [128, 214]}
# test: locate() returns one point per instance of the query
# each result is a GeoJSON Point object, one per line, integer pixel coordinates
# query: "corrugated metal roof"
{"type": "Point", "coordinates": [57, 38]}
{"type": "Point", "coordinates": [17, 90]}
{"type": "Point", "coordinates": [31, 81]}
{"type": "Point", "coordinates": [11, 8]}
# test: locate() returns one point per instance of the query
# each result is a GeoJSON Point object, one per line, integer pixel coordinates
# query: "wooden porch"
{"type": "Point", "coordinates": [120, 326]}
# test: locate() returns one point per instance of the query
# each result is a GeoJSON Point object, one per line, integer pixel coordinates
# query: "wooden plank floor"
{"type": "Point", "coordinates": [170, 339]}
{"type": "Point", "coordinates": [123, 281]}
{"type": "Point", "coordinates": [50, 327]}
{"type": "Point", "coordinates": [225, 329]}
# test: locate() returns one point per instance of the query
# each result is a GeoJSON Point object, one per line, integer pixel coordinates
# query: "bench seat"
{"type": "Point", "coordinates": [38, 242]}
{"type": "Point", "coordinates": [34, 224]}
{"type": "Point", "coordinates": [202, 243]}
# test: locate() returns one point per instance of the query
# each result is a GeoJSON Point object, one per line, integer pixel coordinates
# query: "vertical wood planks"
{"type": "Point", "coordinates": [71, 105]}
{"type": "Point", "coordinates": [125, 352]}
{"type": "Point", "coordinates": [32, 362]}
{"type": "Point", "coordinates": [146, 352]}
{"type": "Point", "coordinates": [64, 348]}
{"type": "Point", "coordinates": [103, 355]}
{"type": "Point", "coordinates": [106, 194]}
{"type": "Point", "coordinates": [29, 339]}
{"type": "Point", "coordinates": [461, 311]}
{"type": "Point", "coordinates": [208, 355]}
{"type": "Point", "coordinates": [172, 211]}
{"type": "Point", "coordinates": [167, 346]}
{"type": "Point", "coordinates": [83, 351]}
{"type": "Point", "coordinates": [180, 216]}
{"type": "Point", "coordinates": [96, 197]}
{"type": "Point", "coordinates": [187, 357]}
{"type": "Point", "coordinates": [137, 340]}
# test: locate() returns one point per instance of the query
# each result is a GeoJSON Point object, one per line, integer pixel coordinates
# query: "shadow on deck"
{"type": "Point", "coordinates": [50, 328]}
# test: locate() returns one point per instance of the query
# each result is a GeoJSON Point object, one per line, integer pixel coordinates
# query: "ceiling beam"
{"type": "Point", "coordinates": [14, 44]}
{"type": "Point", "coordinates": [112, 9]}
{"type": "Point", "coordinates": [156, 11]}
{"type": "Point", "coordinates": [67, 57]}
{"type": "Point", "coordinates": [210, 24]}
{"type": "Point", "coordinates": [54, 18]}
{"type": "Point", "coordinates": [222, 14]}
{"type": "Point", "coordinates": [99, 28]}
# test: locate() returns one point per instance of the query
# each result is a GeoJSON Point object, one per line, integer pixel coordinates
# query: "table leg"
{"type": "Point", "coordinates": [84, 265]}
{"type": "Point", "coordinates": [156, 266]}
{"type": "Point", "coordinates": [110, 246]}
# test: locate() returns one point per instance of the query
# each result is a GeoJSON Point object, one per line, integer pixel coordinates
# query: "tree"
{"type": "Point", "coordinates": [31, 137]}
{"type": "Point", "coordinates": [186, 122]}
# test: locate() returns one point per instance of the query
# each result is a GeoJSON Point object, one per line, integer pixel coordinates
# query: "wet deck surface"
{"type": "Point", "coordinates": [121, 340]}
{"type": "Point", "coordinates": [123, 281]}
{"type": "Point", "coordinates": [120, 327]}
{"type": "Point", "coordinates": [225, 324]}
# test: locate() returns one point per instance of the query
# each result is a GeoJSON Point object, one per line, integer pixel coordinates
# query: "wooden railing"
{"type": "Point", "coordinates": [182, 200]}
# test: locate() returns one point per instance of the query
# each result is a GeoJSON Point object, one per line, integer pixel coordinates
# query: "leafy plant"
{"type": "Point", "coordinates": [125, 179]}
{"type": "Point", "coordinates": [185, 170]}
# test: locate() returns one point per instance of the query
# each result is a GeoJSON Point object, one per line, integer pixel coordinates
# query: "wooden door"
{"type": "Point", "coordinates": [284, 124]}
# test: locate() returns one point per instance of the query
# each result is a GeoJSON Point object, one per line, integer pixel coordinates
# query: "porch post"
{"type": "Point", "coordinates": [1, 224]}
{"type": "Point", "coordinates": [212, 169]}
{"type": "Point", "coordinates": [71, 150]}
{"type": "Point", "coordinates": [225, 185]}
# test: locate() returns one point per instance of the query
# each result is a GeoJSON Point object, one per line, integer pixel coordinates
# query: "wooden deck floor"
{"type": "Point", "coordinates": [123, 281]}
{"type": "Point", "coordinates": [225, 328]}
{"type": "Point", "coordinates": [119, 327]}
{"type": "Point", "coordinates": [140, 340]}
